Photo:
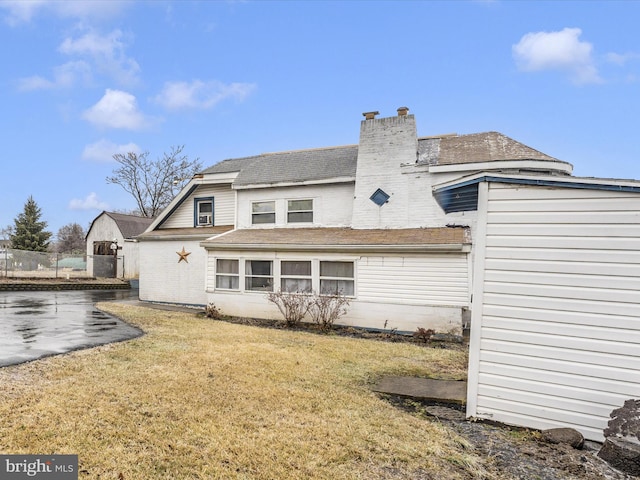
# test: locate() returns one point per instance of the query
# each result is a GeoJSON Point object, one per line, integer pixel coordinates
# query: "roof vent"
{"type": "Point", "coordinates": [402, 111]}
{"type": "Point", "coordinates": [370, 115]}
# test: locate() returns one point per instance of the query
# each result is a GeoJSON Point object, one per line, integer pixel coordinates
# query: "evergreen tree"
{"type": "Point", "coordinates": [29, 231]}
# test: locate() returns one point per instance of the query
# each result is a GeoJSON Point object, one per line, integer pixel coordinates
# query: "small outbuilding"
{"type": "Point", "coordinates": [112, 249]}
{"type": "Point", "coordinates": [555, 327]}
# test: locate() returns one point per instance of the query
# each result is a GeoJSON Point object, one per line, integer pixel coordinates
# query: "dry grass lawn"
{"type": "Point", "coordinates": [201, 399]}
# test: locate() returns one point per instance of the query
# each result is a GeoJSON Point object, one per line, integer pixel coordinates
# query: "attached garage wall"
{"type": "Point", "coordinates": [556, 306]}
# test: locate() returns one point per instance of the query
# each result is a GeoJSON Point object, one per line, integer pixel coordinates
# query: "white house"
{"type": "Point", "coordinates": [360, 218]}
{"type": "Point", "coordinates": [555, 330]}
{"type": "Point", "coordinates": [112, 250]}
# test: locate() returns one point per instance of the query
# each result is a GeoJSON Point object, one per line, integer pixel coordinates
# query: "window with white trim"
{"type": "Point", "coordinates": [227, 274]}
{"type": "Point", "coordinates": [300, 211]}
{"type": "Point", "coordinates": [337, 277]}
{"type": "Point", "coordinates": [258, 275]}
{"type": "Point", "coordinates": [263, 212]}
{"type": "Point", "coordinates": [295, 276]}
{"type": "Point", "coordinates": [203, 212]}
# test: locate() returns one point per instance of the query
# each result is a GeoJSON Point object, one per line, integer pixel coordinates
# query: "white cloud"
{"type": "Point", "coordinates": [90, 202]}
{"type": "Point", "coordinates": [104, 150]}
{"type": "Point", "coordinates": [621, 59]}
{"type": "Point", "coordinates": [23, 11]}
{"type": "Point", "coordinates": [557, 51]}
{"type": "Point", "coordinates": [104, 54]}
{"type": "Point", "coordinates": [107, 53]}
{"type": "Point", "coordinates": [201, 95]}
{"type": "Point", "coordinates": [19, 11]}
{"type": "Point", "coordinates": [64, 76]}
{"type": "Point", "coordinates": [116, 109]}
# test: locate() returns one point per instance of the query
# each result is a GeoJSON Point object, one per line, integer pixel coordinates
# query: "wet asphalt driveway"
{"type": "Point", "coordinates": [38, 324]}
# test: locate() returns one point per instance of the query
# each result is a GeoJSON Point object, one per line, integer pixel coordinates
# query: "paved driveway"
{"type": "Point", "coordinates": [38, 324]}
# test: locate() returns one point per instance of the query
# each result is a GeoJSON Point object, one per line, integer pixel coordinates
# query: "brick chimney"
{"type": "Point", "coordinates": [385, 145]}
{"type": "Point", "coordinates": [370, 115]}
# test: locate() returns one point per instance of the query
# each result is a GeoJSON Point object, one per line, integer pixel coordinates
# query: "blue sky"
{"type": "Point", "coordinates": [81, 81]}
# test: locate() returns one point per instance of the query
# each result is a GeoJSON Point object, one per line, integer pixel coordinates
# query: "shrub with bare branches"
{"type": "Point", "coordinates": [292, 305]}
{"type": "Point", "coordinates": [325, 309]}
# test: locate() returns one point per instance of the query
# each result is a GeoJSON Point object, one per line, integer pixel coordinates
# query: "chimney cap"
{"type": "Point", "coordinates": [402, 111]}
{"type": "Point", "coordinates": [370, 115]}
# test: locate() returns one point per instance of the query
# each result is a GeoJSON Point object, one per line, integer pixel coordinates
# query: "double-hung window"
{"type": "Point", "coordinates": [337, 277]}
{"type": "Point", "coordinates": [300, 211]}
{"type": "Point", "coordinates": [227, 274]}
{"type": "Point", "coordinates": [203, 212]}
{"type": "Point", "coordinates": [295, 276]}
{"type": "Point", "coordinates": [258, 275]}
{"type": "Point", "coordinates": [263, 212]}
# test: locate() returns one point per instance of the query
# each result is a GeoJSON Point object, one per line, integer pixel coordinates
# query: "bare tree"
{"type": "Point", "coordinates": [71, 239]}
{"type": "Point", "coordinates": [153, 184]}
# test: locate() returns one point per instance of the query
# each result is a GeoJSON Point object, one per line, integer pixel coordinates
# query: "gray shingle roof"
{"type": "Point", "coordinates": [334, 162]}
{"type": "Point", "coordinates": [477, 147]}
{"type": "Point", "coordinates": [130, 225]}
{"type": "Point", "coordinates": [294, 166]}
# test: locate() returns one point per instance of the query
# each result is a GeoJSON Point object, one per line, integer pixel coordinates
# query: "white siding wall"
{"type": "Point", "coordinates": [332, 204]}
{"type": "Point", "coordinates": [556, 313]}
{"type": "Point", "coordinates": [103, 229]}
{"type": "Point", "coordinates": [163, 279]}
{"type": "Point", "coordinates": [224, 207]}
{"type": "Point", "coordinates": [392, 292]}
{"type": "Point", "coordinates": [130, 259]}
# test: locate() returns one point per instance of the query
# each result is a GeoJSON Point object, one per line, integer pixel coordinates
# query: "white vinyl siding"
{"type": "Point", "coordinates": [437, 279]}
{"type": "Point", "coordinates": [224, 207]}
{"type": "Point", "coordinates": [384, 312]}
{"type": "Point", "coordinates": [556, 312]}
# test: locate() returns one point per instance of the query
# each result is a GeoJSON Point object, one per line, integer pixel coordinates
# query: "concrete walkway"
{"type": "Point", "coordinates": [441, 391]}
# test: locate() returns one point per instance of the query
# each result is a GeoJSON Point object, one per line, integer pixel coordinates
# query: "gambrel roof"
{"type": "Point", "coordinates": [129, 225]}
{"type": "Point", "coordinates": [340, 162]}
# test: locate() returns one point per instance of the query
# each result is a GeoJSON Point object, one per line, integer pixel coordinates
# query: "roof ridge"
{"type": "Point", "coordinates": [310, 149]}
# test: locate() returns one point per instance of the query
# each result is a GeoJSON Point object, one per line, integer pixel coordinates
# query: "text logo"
{"type": "Point", "coordinates": [39, 467]}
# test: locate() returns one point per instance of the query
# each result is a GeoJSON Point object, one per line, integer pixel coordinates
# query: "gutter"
{"type": "Point", "coordinates": [279, 247]}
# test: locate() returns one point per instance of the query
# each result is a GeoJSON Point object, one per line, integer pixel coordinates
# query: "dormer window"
{"type": "Point", "coordinates": [203, 212]}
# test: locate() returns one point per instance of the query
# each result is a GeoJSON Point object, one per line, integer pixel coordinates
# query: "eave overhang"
{"type": "Point", "coordinates": [322, 181]}
{"type": "Point", "coordinates": [461, 195]}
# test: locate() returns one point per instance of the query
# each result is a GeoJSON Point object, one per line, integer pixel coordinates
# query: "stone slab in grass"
{"type": "Point", "coordinates": [444, 391]}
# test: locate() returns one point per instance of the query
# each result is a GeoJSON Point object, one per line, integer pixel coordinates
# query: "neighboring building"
{"type": "Point", "coordinates": [112, 250]}
{"type": "Point", "coordinates": [360, 218]}
{"type": "Point", "coordinates": [555, 330]}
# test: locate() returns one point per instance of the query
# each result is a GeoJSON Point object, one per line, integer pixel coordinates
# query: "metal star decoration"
{"type": "Point", "coordinates": [183, 255]}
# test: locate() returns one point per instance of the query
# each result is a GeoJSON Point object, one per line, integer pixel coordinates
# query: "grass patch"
{"type": "Point", "coordinates": [202, 399]}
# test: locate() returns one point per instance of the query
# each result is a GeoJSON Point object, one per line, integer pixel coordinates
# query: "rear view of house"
{"type": "Point", "coordinates": [360, 219]}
